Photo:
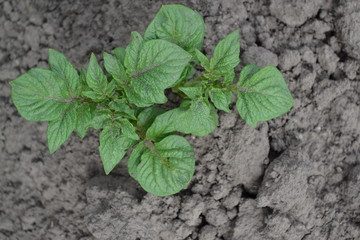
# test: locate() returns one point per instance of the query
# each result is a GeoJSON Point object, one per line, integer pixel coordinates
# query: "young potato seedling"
{"type": "Point", "coordinates": [121, 102]}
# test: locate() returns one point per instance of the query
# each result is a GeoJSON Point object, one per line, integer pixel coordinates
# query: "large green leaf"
{"type": "Point", "coordinates": [39, 95]}
{"type": "Point", "coordinates": [112, 147]}
{"type": "Point", "coordinates": [163, 168]}
{"type": "Point", "coordinates": [197, 117]}
{"type": "Point", "coordinates": [177, 24]}
{"type": "Point", "coordinates": [61, 66]}
{"type": "Point", "coordinates": [60, 129]}
{"type": "Point", "coordinates": [262, 94]}
{"type": "Point", "coordinates": [226, 54]}
{"type": "Point", "coordinates": [221, 97]}
{"type": "Point", "coordinates": [95, 77]}
{"type": "Point", "coordinates": [153, 66]}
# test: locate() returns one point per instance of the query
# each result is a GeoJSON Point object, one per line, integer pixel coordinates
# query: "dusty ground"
{"type": "Point", "coordinates": [293, 178]}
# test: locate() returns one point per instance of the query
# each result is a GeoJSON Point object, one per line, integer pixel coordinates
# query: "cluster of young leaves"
{"type": "Point", "coordinates": [120, 102]}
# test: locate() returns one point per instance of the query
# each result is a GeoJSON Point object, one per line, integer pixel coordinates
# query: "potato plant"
{"type": "Point", "coordinates": [121, 101]}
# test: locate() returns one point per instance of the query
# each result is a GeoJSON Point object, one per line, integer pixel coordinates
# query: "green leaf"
{"type": "Point", "coordinates": [164, 168]}
{"type": "Point", "coordinates": [110, 89]}
{"type": "Point", "coordinates": [115, 67]}
{"type": "Point", "coordinates": [246, 73]}
{"type": "Point", "coordinates": [229, 78]}
{"type": "Point", "coordinates": [128, 129]}
{"type": "Point", "coordinates": [153, 68]}
{"type": "Point", "coordinates": [134, 159]}
{"type": "Point", "coordinates": [197, 117]}
{"type": "Point", "coordinates": [226, 54]}
{"type": "Point", "coordinates": [262, 95]}
{"type": "Point", "coordinates": [84, 114]}
{"type": "Point", "coordinates": [121, 106]}
{"type": "Point", "coordinates": [101, 118]}
{"type": "Point", "coordinates": [204, 61]}
{"type": "Point", "coordinates": [177, 24]}
{"type": "Point", "coordinates": [112, 147]}
{"type": "Point", "coordinates": [192, 92]}
{"type": "Point", "coordinates": [95, 96]}
{"type": "Point", "coordinates": [119, 53]}
{"type": "Point", "coordinates": [82, 79]}
{"type": "Point", "coordinates": [132, 52]}
{"type": "Point", "coordinates": [60, 129]}
{"type": "Point", "coordinates": [61, 66]}
{"type": "Point", "coordinates": [148, 115]}
{"type": "Point", "coordinates": [95, 76]}
{"type": "Point", "coordinates": [221, 97]}
{"type": "Point", "coordinates": [39, 95]}
{"type": "Point", "coordinates": [165, 123]}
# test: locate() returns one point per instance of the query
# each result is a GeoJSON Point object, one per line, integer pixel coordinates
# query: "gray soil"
{"type": "Point", "coordinates": [294, 178]}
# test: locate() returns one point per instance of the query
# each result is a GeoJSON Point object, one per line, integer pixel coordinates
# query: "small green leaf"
{"type": "Point", "coordinates": [39, 95]}
{"type": "Point", "coordinates": [115, 67]}
{"type": "Point", "coordinates": [60, 129]}
{"type": "Point", "coordinates": [119, 53]}
{"type": "Point", "coordinates": [95, 76]}
{"type": "Point", "coordinates": [128, 129]}
{"type": "Point", "coordinates": [112, 147]}
{"type": "Point", "coordinates": [101, 118]}
{"type": "Point", "coordinates": [61, 66]}
{"type": "Point", "coordinates": [204, 61]}
{"type": "Point", "coordinates": [177, 24]}
{"type": "Point", "coordinates": [221, 97]}
{"type": "Point", "coordinates": [110, 89]}
{"type": "Point", "coordinates": [226, 54]}
{"type": "Point", "coordinates": [163, 168]}
{"type": "Point", "coordinates": [262, 95]}
{"type": "Point", "coordinates": [153, 66]}
{"type": "Point", "coordinates": [95, 96]}
{"type": "Point", "coordinates": [148, 115]}
{"type": "Point", "coordinates": [121, 106]}
{"type": "Point", "coordinates": [197, 117]}
{"type": "Point", "coordinates": [228, 78]}
{"type": "Point", "coordinates": [82, 79]}
{"type": "Point", "coordinates": [133, 50]}
{"type": "Point", "coordinates": [192, 92]}
{"type": "Point", "coordinates": [84, 117]}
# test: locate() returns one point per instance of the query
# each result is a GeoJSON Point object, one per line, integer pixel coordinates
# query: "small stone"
{"type": "Point", "coordinates": [308, 56]}
{"type": "Point", "coordinates": [293, 12]}
{"type": "Point", "coordinates": [48, 28]}
{"type": "Point", "coordinates": [36, 19]}
{"type": "Point", "coordinates": [32, 37]}
{"type": "Point", "coordinates": [7, 8]}
{"type": "Point", "coordinates": [208, 232]}
{"type": "Point", "coordinates": [328, 59]}
{"type": "Point", "coordinates": [260, 56]}
{"type": "Point", "coordinates": [351, 67]}
{"type": "Point", "coordinates": [307, 80]}
{"type": "Point", "coordinates": [8, 74]}
{"type": "Point", "coordinates": [289, 59]}
{"type": "Point", "coordinates": [216, 217]}
{"type": "Point", "coordinates": [349, 26]}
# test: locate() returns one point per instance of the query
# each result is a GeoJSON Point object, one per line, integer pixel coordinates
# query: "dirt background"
{"type": "Point", "coordinates": [295, 178]}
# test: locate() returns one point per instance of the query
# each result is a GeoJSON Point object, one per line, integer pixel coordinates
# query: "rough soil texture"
{"type": "Point", "coordinates": [294, 178]}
